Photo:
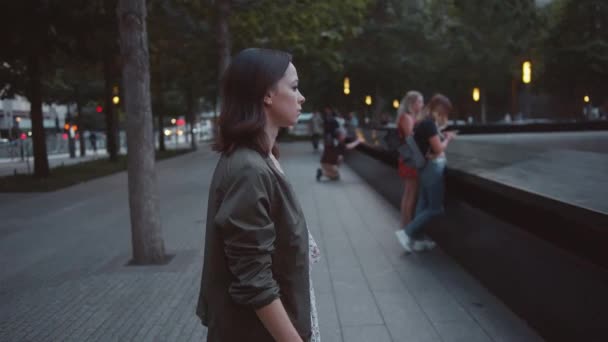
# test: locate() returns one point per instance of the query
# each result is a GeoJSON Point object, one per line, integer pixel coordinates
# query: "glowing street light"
{"type": "Point", "coordinates": [395, 104]}
{"type": "Point", "coordinates": [368, 100]}
{"type": "Point", "coordinates": [116, 100]}
{"type": "Point", "coordinates": [173, 121]}
{"type": "Point", "coordinates": [526, 72]}
{"type": "Point", "coordinates": [346, 85]}
{"type": "Point", "coordinates": [476, 94]}
{"type": "Point", "coordinates": [586, 99]}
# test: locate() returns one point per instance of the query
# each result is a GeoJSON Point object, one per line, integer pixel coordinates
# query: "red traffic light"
{"type": "Point", "coordinates": [99, 109]}
{"type": "Point", "coordinates": [180, 122]}
{"type": "Point", "coordinates": [23, 136]}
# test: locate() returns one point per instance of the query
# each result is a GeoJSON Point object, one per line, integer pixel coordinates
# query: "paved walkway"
{"type": "Point", "coordinates": [62, 273]}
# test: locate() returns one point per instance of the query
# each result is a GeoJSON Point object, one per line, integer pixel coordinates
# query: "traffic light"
{"type": "Point", "coordinates": [99, 109]}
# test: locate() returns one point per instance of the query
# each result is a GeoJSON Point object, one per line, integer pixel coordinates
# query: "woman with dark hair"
{"type": "Point", "coordinates": [432, 143]}
{"type": "Point", "coordinates": [256, 279]}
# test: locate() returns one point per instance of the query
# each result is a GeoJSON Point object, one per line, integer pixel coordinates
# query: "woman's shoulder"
{"type": "Point", "coordinates": [245, 160]}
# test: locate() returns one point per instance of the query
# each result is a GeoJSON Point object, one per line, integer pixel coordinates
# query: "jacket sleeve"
{"type": "Point", "coordinates": [248, 232]}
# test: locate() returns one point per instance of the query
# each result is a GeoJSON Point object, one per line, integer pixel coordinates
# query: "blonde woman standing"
{"type": "Point", "coordinates": [409, 109]}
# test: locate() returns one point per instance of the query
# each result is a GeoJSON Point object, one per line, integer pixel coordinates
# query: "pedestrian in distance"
{"type": "Point", "coordinates": [432, 143]}
{"type": "Point", "coordinates": [255, 283]}
{"type": "Point", "coordinates": [351, 125]}
{"type": "Point", "coordinates": [333, 155]}
{"type": "Point", "coordinates": [330, 125]}
{"type": "Point", "coordinates": [316, 129]}
{"type": "Point", "coordinates": [93, 141]}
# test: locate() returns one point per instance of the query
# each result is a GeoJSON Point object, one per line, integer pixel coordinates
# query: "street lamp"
{"type": "Point", "coordinates": [586, 99]}
{"type": "Point", "coordinates": [368, 100]}
{"type": "Point", "coordinates": [395, 104]}
{"type": "Point", "coordinates": [346, 85]}
{"type": "Point", "coordinates": [173, 121]}
{"type": "Point", "coordinates": [526, 71]}
{"type": "Point", "coordinates": [476, 95]}
{"type": "Point", "coordinates": [116, 100]}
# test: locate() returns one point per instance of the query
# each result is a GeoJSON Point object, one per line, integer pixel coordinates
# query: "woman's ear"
{"type": "Point", "coordinates": [268, 100]}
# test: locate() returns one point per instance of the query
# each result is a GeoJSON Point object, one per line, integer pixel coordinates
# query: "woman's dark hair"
{"type": "Point", "coordinates": [438, 100]}
{"type": "Point", "coordinates": [251, 73]}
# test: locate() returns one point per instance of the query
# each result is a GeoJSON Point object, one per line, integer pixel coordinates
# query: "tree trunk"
{"type": "Point", "coordinates": [224, 41]}
{"type": "Point", "coordinates": [224, 46]}
{"type": "Point", "coordinates": [109, 110]}
{"type": "Point", "coordinates": [41, 162]}
{"type": "Point", "coordinates": [514, 97]}
{"type": "Point", "coordinates": [484, 95]}
{"type": "Point", "coordinates": [147, 241]}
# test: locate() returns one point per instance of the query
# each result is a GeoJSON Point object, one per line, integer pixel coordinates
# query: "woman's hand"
{"type": "Point", "coordinates": [275, 319]}
{"type": "Point", "coordinates": [449, 135]}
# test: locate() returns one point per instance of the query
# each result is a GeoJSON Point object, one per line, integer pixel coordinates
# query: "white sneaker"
{"type": "Point", "coordinates": [404, 240]}
{"type": "Point", "coordinates": [428, 243]}
{"type": "Point", "coordinates": [418, 245]}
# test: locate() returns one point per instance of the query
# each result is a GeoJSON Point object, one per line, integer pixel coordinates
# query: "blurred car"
{"type": "Point", "coordinates": [302, 127]}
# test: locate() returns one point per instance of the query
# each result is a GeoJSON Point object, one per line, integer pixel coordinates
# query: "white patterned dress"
{"type": "Point", "coordinates": [314, 255]}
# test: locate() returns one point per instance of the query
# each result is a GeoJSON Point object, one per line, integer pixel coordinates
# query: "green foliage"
{"type": "Point", "coordinates": [576, 49]}
{"type": "Point", "coordinates": [385, 47]}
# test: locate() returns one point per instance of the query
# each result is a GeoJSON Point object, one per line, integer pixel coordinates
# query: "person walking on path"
{"type": "Point", "coordinates": [351, 125]}
{"type": "Point", "coordinates": [432, 143]}
{"type": "Point", "coordinates": [333, 154]}
{"type": "Point", "coordinates": [409, 109]}
{"type": "Point", "coordinates": [255, 283]}
{"type": "Point", "coordinates": [330, 125]}
{"type": "Point", "coordinates": [316, 129]}
{"type": "Point", "coordinates": [93, 141]}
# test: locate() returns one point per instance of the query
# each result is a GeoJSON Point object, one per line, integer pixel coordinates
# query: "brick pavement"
{"type": "Point", "coordinates": [62, 273]}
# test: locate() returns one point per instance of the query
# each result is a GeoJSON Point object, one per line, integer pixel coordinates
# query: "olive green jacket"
{"type": "Point", "coordinates": [256, 250]}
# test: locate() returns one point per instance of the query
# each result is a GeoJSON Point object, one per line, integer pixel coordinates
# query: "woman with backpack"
{"type": "Point", "coordinates": [432, 143]}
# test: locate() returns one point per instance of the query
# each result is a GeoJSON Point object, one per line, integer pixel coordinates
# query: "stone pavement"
{"type": "Point", "coordinates": [62, 273]}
